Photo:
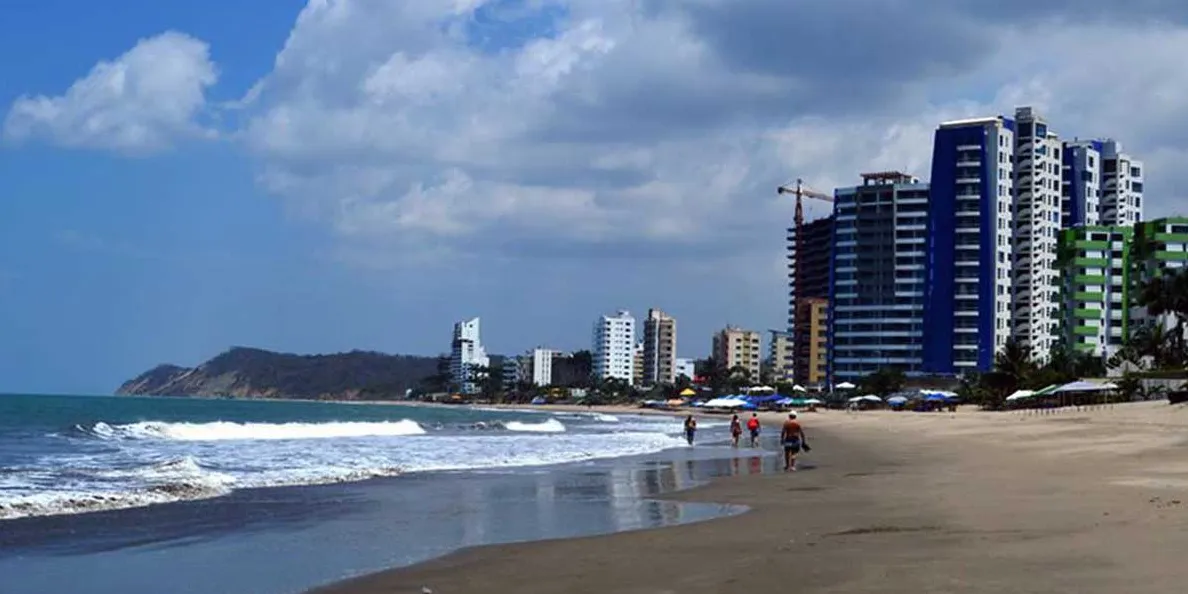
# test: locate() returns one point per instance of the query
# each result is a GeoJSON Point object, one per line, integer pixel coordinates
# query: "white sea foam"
{"type": "Point", "coordinates": [222, 430]}
{"type": "Point", "coordinates": [154, 462]}
{"type": "Point", "coordinates": [549, 426]}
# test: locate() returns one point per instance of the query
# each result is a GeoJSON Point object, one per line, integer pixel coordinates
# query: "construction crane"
{"type": "Point", "coordinates": [800, 191]}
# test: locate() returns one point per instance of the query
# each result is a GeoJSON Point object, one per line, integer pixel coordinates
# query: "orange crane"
{"type": "Point", "coordinates": [800, 191]}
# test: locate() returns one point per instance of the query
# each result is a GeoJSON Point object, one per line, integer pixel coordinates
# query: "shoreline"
{"type": "Point", "coordinates": [929, 502]}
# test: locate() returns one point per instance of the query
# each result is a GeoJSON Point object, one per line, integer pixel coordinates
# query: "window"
{"type": "Point", "coordinates": [1135, 172]}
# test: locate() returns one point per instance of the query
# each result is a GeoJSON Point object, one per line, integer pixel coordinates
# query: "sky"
{"type": "Point", "coordinates": [177, 178]}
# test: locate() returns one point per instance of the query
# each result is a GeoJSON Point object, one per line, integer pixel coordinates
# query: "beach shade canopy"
{"type": "Point", "coordinates": [1046, 391]}
{"type": "Point", "coordinates": [688, 392]}
{"type": "Point", "coordinates": [675, 402]}
{"type": "Point", "coordinates": [1084, 386]}
{"type": "Point", "coordinates": [814, 401]}
{"type": "Point", "coordinates": [727, 402]}
{"type": "Point", "coordinates": [762, 389]}
{"type": "Point", "coordinates": [845, 386]}
{"type": "Point", "coordinates": [798, 388]}
{"type": "Point", "coordinates": [897, 400]}
{"type": "Point", "coordinates": [867, 398]}
{"type": "Point", "coordinates": [539, 400]}
{"type": "Point", "coordinates": [1020, 395]}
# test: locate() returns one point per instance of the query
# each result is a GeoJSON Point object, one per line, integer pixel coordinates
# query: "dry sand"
{"type": "Point", "coordinates": [1078, 501]}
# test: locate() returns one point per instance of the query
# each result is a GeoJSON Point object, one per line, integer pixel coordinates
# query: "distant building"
{"type": "Point", "coordinates": [1121, 186]}
{"type": "Point", "coordinates": [1160, 249]}
{"type": "Point", "coordinates": [659, 349]}
{"type": "Point", "coordinates": [542, 366]}
{"type": "Point", "coordinates": [811, 352]}
{"type": "Point", "coordinates": [686, 367]}
{"type": "Point", "coordinates": [1080, 196]}
{"type": "Point", "coordinates": [880, 273]}
{"type": "Point", "coordinates": [614, 346]}
{"type": "Point", "coordinates": [1095, 263]}
{"type": "Point", "coordinates": [779, 351]}
{"type": "Point", "coordinates": [735, 347]}
{"type": "Point", "coordinates": [570, 369]}
{"type": "Point", "coordinates": [637, 363]}
{"type": "Point", "coordinates": [468, 358]}
{"type": "Point", "coordinates": [513, 372]}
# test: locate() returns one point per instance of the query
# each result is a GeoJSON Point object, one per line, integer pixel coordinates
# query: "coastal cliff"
{"type": "Point", "coordinates": [256, 373]}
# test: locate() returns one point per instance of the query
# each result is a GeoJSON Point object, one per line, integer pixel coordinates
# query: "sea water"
{"type": "Point", "coordinates": [70, 455]}
{"type": "Point", "coordinates": [144, 495]}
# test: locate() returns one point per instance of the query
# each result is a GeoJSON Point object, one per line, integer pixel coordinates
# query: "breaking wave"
{"type": "Point", "coordinates": [223, 430]}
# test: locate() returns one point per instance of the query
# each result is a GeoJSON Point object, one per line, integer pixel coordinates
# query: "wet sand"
{"type": "Point", "coordinates": [1079, 501]}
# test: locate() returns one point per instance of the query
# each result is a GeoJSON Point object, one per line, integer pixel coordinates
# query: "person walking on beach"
{"type": "Point", "coordinates": [735, 430]}
{"type": "Point", "coordinates": [690, 428]}
{"type": "Point", "coordinates": [792, 436]}
{"type": "Point", "coordinates": [753, 427]}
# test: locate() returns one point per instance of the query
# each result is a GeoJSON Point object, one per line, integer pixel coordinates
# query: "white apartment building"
{"type": "Point", "coordinates": [467, 355]}
{"type": "Point", "coordinates": [1038, 177]}
{"type": "Point", "coordinates": [971, 216]}
{"type": "Point", "coordinates": [1121, 186]}
{"type": "Point", "coordinates": [614, 346]}
{"type": "Point", "coordinates": [542, 366]}
{"type": "Point", "coordinates": [685, 367]}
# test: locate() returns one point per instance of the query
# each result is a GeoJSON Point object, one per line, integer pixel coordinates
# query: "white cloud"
{"type": "Point", "coordinates": [662, 125]}
{"type": "Point", "coordinates": [140, 102]}
{"type": "Point", "coordinates": [656, 122]}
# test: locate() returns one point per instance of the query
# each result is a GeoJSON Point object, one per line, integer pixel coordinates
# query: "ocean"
{"type": "Point", "coordinates": [130, 490]}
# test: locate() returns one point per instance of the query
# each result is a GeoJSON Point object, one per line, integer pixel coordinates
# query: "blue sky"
{"type": "Point", "coordinates": [364, 175]}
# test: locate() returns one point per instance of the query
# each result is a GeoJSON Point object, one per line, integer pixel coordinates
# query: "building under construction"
{"type": "Point", "coordinates": [808, 295]}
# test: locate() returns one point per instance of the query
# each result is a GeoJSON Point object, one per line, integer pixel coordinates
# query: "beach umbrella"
{"type": "Point", "coordinates": [798, 388]}
{"type": "Point", "coordinates": [688, 392]}
{"type": "Point", "coordinates": [1019, 395]}
{"type": "Point", "coordinates": [846, 386]}
{"type": "Point", "coordinates": [897, 400]}
{"type": "Point", "coordinates": [814, 401]}
{"type": "Point", "coordinates": [870, 398]}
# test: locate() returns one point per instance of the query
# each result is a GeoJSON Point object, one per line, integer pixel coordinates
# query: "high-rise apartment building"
{"type": "Point", "coordinates": [614, 346]}
{"type": "Point", "coordinates": [1160, 249]}
{"type": "Point", "coordinates": [967, 300]}
{"type": "Point", "coordinates": [1080, 201]}
{"type": "Point", "coordinates": [1095, 265]}
{"type": "Point", "coordinates": [468, 358]}
{"type": "Point", "coordinates": [659, 358]}
{"type": "Point", "coordinates": [686, 367]}
{"type": "Point", "coordinates": [779, 352]}
{"type": "Point", "coordinates": [880, 270]}
{"type": "Point", "coordinates": [1038, 174]}
{"type": "Point", "coordinates": [1121, 186]}
{"type": "Point", "coordinates": [735, 347]}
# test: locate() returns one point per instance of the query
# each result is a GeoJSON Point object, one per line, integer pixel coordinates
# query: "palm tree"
{"type": "Point", "coordinates": [1014, 362]}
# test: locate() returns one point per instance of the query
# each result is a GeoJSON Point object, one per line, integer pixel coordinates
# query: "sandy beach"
{"type": "Point", "coordinates": [1078, 501]}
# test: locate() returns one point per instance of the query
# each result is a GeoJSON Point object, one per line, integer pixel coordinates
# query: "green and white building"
{"type": "Point", "coordinates": [1096, 272]}
{"type": "Point", "coordinates": [1103, 268]}
{"type": "Point", "coordinates": [1160, 248]}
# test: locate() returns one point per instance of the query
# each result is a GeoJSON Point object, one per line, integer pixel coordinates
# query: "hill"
{"type": "Point", "coordinates": [256, 373]}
